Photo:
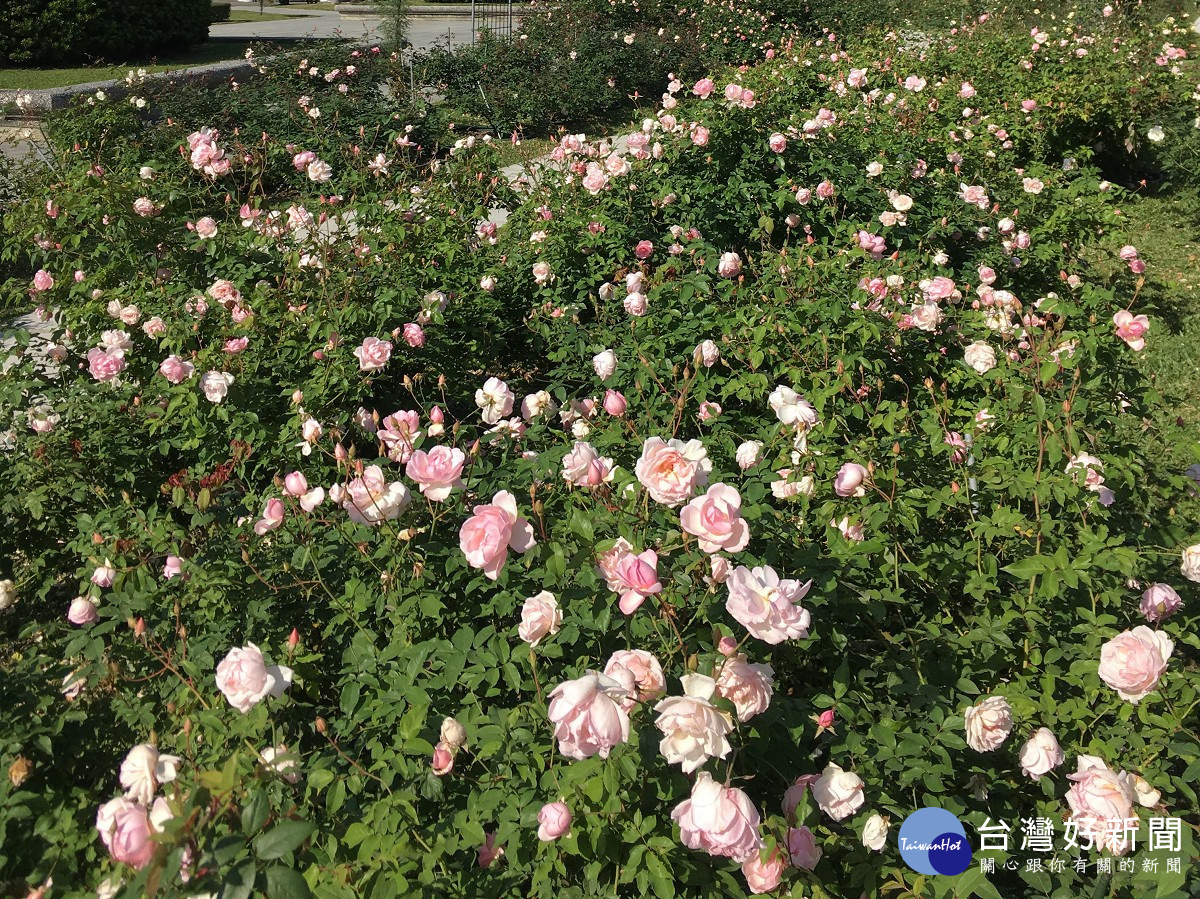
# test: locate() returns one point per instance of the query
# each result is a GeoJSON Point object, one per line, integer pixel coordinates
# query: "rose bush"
{"type": "Point", "coordinates": [857, 517]}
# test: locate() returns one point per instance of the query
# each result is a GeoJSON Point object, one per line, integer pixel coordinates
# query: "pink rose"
{"type": "Point", "coordinates": [839, 793]}
{"type": "Point", "coordinates": [584, 467]}
{"type": "Point", "coordinates": [370, 498]}
{"type": "Point", "coordinates": [644, 250]}
{"type": "Point", "coordinates": [803, 196]}
{"type": "Point", "coordinates": [729, 265]}
{"type": "Point", "coordinates": [145, 207]}
{"type": "Point", "coordinates": [704, 88]}
{"type": "Point", "coordinates": [442, 762]}
{"type": "Point", "coordinates": [82, 611]}
{"type": "Point", "coordinates": [795, 793]}
{"type": "Point", "coordinates": [172, 567]}
{"type": "Point", "coordinates": [438, 473]}
{"type": "Point", "coordinates": [246, 679]}
{"type": "Point", "coordinates": [206, 228]}
{"type": "Point", "coordinates": [694, 730]}
{"type": "Point", "coordinates": [708, 353]}
{"type": "Point", "coordinates": [588, 716]}
{"type": "Point", "coordinates": [1132, 329]}
{"type": "Point", "coordinates": [272, 517]}
{"type": "Point", "coordinates": [1160, 602]}
{"type": "Point", "coordinates": [639, 672]}
{"type": "Point", "coordinates": [486, 537]}
{"type": "Point", "coordinates": [301, 160]}
{"type": "Point", "coordinates": [708, 411]}
{"type": "Point", "coordinates": [374, 354]}
{"type": "Point", "coordinates": [825, 190]}
{"type": "Point", "coordinates": [540, 617]}
{"type": "Point", "coordinates": [720, 820]}
{"type": "Point", "coordinates": [235, 346]}
{"type": "Point", "coordinates": [615, 402]}
{"type": "Point", "coordinates": [42, 280]}
{"type": "Point", "coordinates": [974, 194]}
{"type": "Point", "coordinates": [104, 575]}
{"type": "Point", "coordinates": [124, 827]}
{"type": "Point", "coordinates": [554, 820]}
{"type": "Point", "coordinates": [716, 520]}
{"type": "Point", "coordinates": [637, 578]}
{"type": "Point", "coordinates": [295, 484]}
{"type": "Point", "coordinates": [176, 370]}
{"type": "Point", "coordinates": [1132, 662]}
{"type": "Point", "coordinates": [700, 136]}
{"type": "Point", "coordinates": [414, 335]}
{"type": "Point", "coordinates": [777, 142]}
{"type": "Point", "coordinates": [766, 606]}
{"type": "Point", "coordinates": [489, 852]}
{"type": "Point", "coordinates": [104, 365]}
{"type": "Point", "coordinates": [850, 479]}
{"type": "Point", "coordinates": [802, 848]}
{"type": "Point", "coordinates": [1100, 801]}
{"type": "Point", "coordinates": [672, 470]}
{"type": "Point", "coordinates": [1041, 754]}
{"type": "Point", "coordinates": [747, 686]}
{"type": "Point", "coordinates": [988, 724]}
{"type": "Point", "coordinates": [763, 877]}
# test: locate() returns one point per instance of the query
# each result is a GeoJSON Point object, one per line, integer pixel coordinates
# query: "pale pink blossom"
{"type": "Point", "coordinates": [588, 716]}
{"type": "Point", "coordinates": [1133, 661]}
{"type": "Point", "coordinates": [554, 821]}
{"type": "Point", "coordinates": [988, 724]}
{"type": "Point", "coordinates": [839, 793]}
{"type": "Point", "coordinates": [1041, 754]}
{"type": "Point", "coordinates": [246, 679]}
{"type": "Point", "coordinates": [540, 617]}
{"type": "Point", "coordinates": [1132, 329]}
{"type": "Point", "coordinates": [124, 827]}
{"type": "Point", "coordinates": [176, 370]}
{"type": "Point", "coordinates": [639, 672]}
{"type": "Point", "coordinates": [694, 730]}
{"type": "Point", "coordinates": [748, 686]}
{"type": "Point", "coordinates": [438, 472]}
{"type": "Point", "coordinates": [272, 517]}
{"type": "Point", "coordinates": [802, 848]}
{"type": "Point", "coordinates": [716, 520]}
{"type": "Point", "coordinates": [1160, 602]}
{"type": "Point", "coordinates": [584, 467]}
{"type": "Point", "coordinates": [373, 354]}
{"type": "Point", "coordinates": [486, 537]}
{"type": "Point", "coordinates": [720, 820]}
{"type": "Point", "coordinates": [766, 606]}
{"type": "Point", "coordinates": [370, 498]}
{"type": "Point", "coordinates": [672, 470]}
{"type": "Point", "coordinates": [636, 576]}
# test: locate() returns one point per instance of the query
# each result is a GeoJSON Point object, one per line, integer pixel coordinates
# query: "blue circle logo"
{"type": "Point", "coordinates": [933, 841]}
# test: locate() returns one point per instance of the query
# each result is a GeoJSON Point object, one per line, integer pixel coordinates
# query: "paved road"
{"type": "Point", "coordinates": [424, 31]}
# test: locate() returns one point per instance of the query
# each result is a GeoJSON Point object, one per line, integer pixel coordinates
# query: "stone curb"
{"type": "Point", "coordinates": [42, 101]}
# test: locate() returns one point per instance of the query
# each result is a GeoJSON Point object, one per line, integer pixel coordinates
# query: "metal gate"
{"type": "Point", "coordinates": [495, 18]}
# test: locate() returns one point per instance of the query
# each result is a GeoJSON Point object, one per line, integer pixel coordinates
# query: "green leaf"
{"type": "Point", "coordinates": [284, 883]}
{"type": "Point", "coordinates": [255, 812]}
{"type": "Point", "coordinates": [283, 838]}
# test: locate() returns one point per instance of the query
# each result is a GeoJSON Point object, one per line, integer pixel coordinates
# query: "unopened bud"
{"type": "Point", "coordinates": [139, 628]}
{"type": "Point", "coordinates": [293, 639]}
{"type": "Point", "coordinates": [320, 725]}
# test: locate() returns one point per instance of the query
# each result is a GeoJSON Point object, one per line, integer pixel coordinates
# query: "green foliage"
{"type": "Point", "coordinates": [962, 571]}
{"type": "Point", "coordinates": [46, 32]}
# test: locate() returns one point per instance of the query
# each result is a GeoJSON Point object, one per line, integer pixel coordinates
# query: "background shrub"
{"type": "Point", "coordinates": [49, 32]}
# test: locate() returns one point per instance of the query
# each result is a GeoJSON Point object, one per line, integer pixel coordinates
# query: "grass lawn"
{"type": "Point", "coordinates": [1163, 228]}
{"type": "Point", "coordinates": [250, 13]}
{"type": "Point", "coordinates": [36, 79]}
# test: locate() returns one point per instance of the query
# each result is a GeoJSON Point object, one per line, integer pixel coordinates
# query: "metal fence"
{"type": "Point", "coordinates": [495, 18]}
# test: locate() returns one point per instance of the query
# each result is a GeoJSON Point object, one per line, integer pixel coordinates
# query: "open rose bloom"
{"type": "Point", "coordinates": [246, 679]}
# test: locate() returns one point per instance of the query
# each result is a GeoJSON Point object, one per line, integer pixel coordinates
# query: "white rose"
{"type": "Point", "coordinates": [215, 385]}
{"type": "Point", "coordinates": [839, 793]}
{"type": "Point", "coordinates": [981, 357]}
{"type": "Point", "coordinates": [875, 833]}
{"type": "Point", "coordinates": [144, 770]}
{"type": "Point", "coordinates": [453, 734]}
{"type": "Point", "coordinates": [693, 728]}
{"type": "Point", "coordinates": [494, 399]}
{"type": "Point", "coordinates": [8, 594]}
{"type": "Point", "coordinates": [284, 763]}
{"type": "Point", "coordinates": [1191, 563]}
{"type": "Point", "coordinates": [1041, 754]}
{"type": "Point", "coordinates": [605, 364]}
{"type": "Point", "coordinates": [749, 453]}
